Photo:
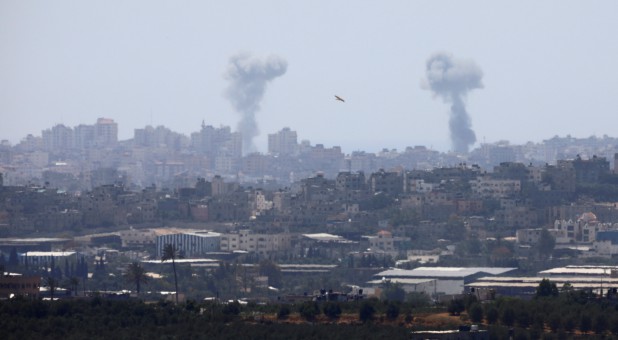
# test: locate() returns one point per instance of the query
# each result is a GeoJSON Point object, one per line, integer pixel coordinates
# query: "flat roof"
{"type": "Point", "coordinates": [183, 261]}
{"type": "Point", "coordinates": [49, 253]}
{"type": "Point", "coordinates": [555, 279]}
{"type": "Point", "coordinates": [443, 272]}
{"type": "Point", "coordinates": [579, 270]}
{"type": "Point", "coordinates": [403, 281]}
{"type": "Point", "coordinates": [324, 237]}
{"type": "Point", "coordinates": [33, 240]}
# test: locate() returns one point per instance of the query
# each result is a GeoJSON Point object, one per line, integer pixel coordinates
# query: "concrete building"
{"type": "Point", "coordinates": [37, 259]}
{"type": "Point", "coordinates": [390, 182]}
{"type": "Point", "coordinates": [448, 280]}
{"type": "Point", "coordinates": [584, 229]}
{"type": "Point", "coordinates": [262, 244]}
{"type": "Point", "coordinates": [58, 138]}
{"type": "Point", "coordinates": [284, 142]}
{"type": "Point", "coordinates": [138, 237]}
{"type": "Point", "coordinates": [424, 286]}
{"type": "Point", "coordinates": [495, 188]}
{"type": "Point", "coordinates": [384, 241]}
{"type": "Point", "coordinates": [18, 285]}
{"type": "Point", "coordinates": [106, 132]}
{"type": "Point", "coordinates": [189, 244]}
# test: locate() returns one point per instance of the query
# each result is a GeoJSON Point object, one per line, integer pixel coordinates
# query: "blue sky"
{"type": "Point", "coordinates": [549, 67]}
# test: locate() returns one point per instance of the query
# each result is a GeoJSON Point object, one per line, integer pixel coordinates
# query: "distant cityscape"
{"type": "Point", "coordinates": [84, 212]}
{"type": "Point", "coordinates": [86, 156]}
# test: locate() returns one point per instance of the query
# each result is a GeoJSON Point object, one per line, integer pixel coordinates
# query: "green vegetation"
{"type": "Point", "coordinates": [171, 253]}
{"type": "Point", "coordinates": [569, 314]}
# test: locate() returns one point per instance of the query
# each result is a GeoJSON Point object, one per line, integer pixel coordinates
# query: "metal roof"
{"type": "Point", "coordinates": [324, 237]}
{"type": "Point", "coordinates": [579, 270]}
{"type": "Point", "coordinates": [443, 272]}
{"type": "Point", "coordinates": [402, 281]}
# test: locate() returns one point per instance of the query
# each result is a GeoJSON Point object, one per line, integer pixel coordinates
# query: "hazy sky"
{"type": "Point", "coordinates": [549, 67]}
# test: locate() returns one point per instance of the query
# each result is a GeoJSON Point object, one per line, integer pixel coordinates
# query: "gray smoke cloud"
{"type": "Point", "coordinates": [452, 79]}
{"type": "Point", "coordinates": [248, 77]}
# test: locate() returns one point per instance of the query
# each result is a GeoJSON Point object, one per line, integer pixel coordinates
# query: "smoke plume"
{"type": "Point", "coordinates": [451, 79]}
{"type": "Point", "coordinates": [248, 77]}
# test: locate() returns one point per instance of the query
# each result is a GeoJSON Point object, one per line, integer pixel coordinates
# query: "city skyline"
{"type": "Point", "coordinates": [548, 68]}
{"type": "Point", "coordinates": [78, 137]}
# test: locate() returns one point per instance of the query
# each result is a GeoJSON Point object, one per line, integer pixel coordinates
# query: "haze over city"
{"type": "Point", "coordinates": [547, 68]}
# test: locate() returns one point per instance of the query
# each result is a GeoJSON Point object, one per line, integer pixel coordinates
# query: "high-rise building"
{"type": "Point", "coordinates": [59, 137]}
{"type": "Point", "coordinates": [106, 132]}
{"type": "Point", "coordinates": [284, 142]}
{"type": "Point", "coordinates": [83, 136]}
{"type": "Point", "coordinates": [216, 142]}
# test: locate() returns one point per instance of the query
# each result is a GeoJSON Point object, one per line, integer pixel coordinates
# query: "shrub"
{"type": "Point", "coordinates": [392, 311]}
{"type": "Point", "coordinates": [492, 315]}
{"type": "Point", "coordinates": [232, 308]}
{"type": "Point", "coordinates": [366, 312]}
{"type": "Point", "coordinates": [455, 307]}
{"type": "Point", "coordinates": [476, 312]}
{"type": "Point", "coordinates": [508, 316]}
{"type": "Point", "coordinates": [332, 310]}
{"type": "Point", "coordinates": [309, 310]}
{"type": "Point", "coordinates": [284, 312]}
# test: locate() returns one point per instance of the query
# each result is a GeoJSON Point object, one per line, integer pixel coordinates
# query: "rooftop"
{"type": "Point", "coordinates": [443, 272]}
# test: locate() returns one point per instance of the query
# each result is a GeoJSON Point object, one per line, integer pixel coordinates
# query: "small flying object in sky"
{"type": "Point", "coordinates": [339, 98]}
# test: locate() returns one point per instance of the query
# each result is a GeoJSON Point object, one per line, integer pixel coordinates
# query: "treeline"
{"type": "Point", "coordinates": [98, 318]}
{"type": "Point", "coordinates": [569, 314]}
{"type": "Point", "coordinates": [550, 315]}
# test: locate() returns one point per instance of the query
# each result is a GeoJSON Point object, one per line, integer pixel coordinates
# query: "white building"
{"type": "Point", "coordinates": [190, 244]}
{"type": "Point", "coordinates": [448, 280]}
{"type": "Point", "coordinates": [259, 243]}
{"type": "Point", "coordinates": [138, 237]}
{"type": "Point", "coordinates": [495, 188]}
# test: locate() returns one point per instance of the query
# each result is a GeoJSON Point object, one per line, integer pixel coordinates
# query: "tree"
{"type": "Point", "coordinates": [599, 324]}
{"type": "Point", "coordinates": [73, 283]}
{"type": "Point", "coordinates": [570, 322]}
{"type": "Point", "coordinates": [508, 316]}
{"type": "Point", "coordinates": [585, 323]}
{"type": "Point", "coordinates": [51, 283]}
{"type": "Point", "coordinates": [476, 312]}
{"type": "Point", "coordinates": [136, 274]}
{"type": "Point", "coordinates": [393, 292]}
{"type": "Point", "coordinates": [284, 312]}
{"type": "Point", "coordinates": [546, 288]}
{"type": "Point", "coordinates": [613, 327]}
{"type": "Point", "coordinates": [309, 310]}
{"type": "Point", "coordinates": [271, 270]}
{"type": "Point", "coordinates": [170, 253]}
{"type": "Point", "coordinates": [332, 310]}
{"type": "Point", "coordinates": [555, 321]}
{"type": "Point", "coordinates": [13, 259]}
{"type": "Point", "coordinates": [492, 314]}
{"type": "Point", "coordinates": [546, 243]}
{"type": "Point", "coordinates": [392, 310]}
{"type": "Point", "coordinates": [232, 308]}
{"type": "Point", "coordinates": [366, 312]}
{"type": "Point", "coordinates": [456, 306]}
{"type": "Point", "coordinates": [523, 317]}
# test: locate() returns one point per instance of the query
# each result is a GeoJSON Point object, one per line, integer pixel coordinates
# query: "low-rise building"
{"type": "Point", "coordinates": [138, 237]}
{"type": "Point", "coordinates": [259, 243]}
{"type": "Point", "coordinates": [190, 243]}
{"type": "Point", "coordinates": [12, 284]}
{"type": "Point", "coordinates": [448, 280]}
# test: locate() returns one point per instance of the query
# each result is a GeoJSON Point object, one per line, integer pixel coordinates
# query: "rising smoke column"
{"type": "Point", "coordinates": [248, 77]}
{"type": "Point", "coordinates": [451, 79]}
